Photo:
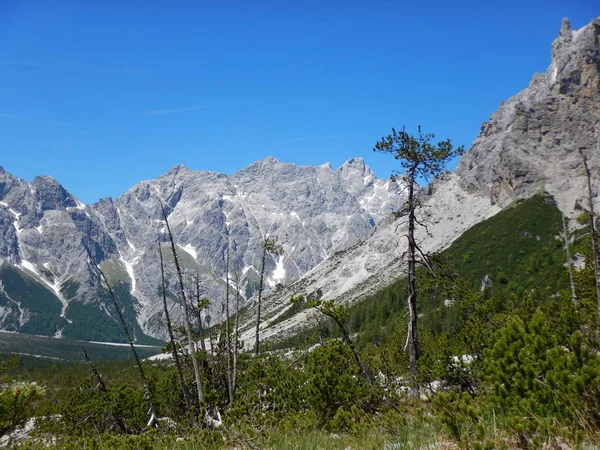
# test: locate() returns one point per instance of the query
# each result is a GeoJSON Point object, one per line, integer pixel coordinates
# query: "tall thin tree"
{"type": "Point", "coordinates": [236, 333]}
{"type": "Point", "coordinates": [594, 229]}
{"type": "Point", "coordinates": [201, 303]}
{"type": "Point", "coordinates": [174, 351]}
{"type": "Point", "coordinates": [227, 331]}
{"type": "Point", "coordinates": [104, 390]}
{"type": "Point", "coordinates": [569, 261]}
{"type": "Point", "coordinates": [186, 315]}
{"type": "Point", "coordinates": [153, 420]}
{"type": "Point", "coordinates": [269, 245]}
{"type": "Point", "coordinates": [419, 158]}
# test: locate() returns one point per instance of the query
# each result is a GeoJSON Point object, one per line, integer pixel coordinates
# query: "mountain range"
{"type": "Point", "coordinates": [335, 226]}
{"type": "Point", "coordinates": [45, 231]}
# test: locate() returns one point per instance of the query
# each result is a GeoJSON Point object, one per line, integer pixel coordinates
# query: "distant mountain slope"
{"type": "Point", "coordinates": [516, 251]}
{"type": "Point", "coordinates": [531, 144]}
{"type": "Point", "coordinates": [44, 231]}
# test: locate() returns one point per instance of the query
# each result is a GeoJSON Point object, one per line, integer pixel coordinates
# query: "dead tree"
{"type": "Point", "coordinates": [174, 351]}
{"type": "Point", "coordinates": [569, 261]}
{"type": "Point", "coordinates": [104, 390]}
{"type": "Point", "coordinates": [594, 229]}
{"type": "Point", "coordinates": [153, 420]}
{"type": "Point", "coordinates": [201, 303]}
{"type": "Point", "coordinates": [227, 335]}
{"type": "Point", "coordinates": [186, 316]}
{"type": "Point", "coordinates": [236, 335]}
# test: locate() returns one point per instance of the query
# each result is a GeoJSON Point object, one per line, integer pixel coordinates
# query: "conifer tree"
{"type": "Point", "coordinates": [419, 158]}
{"type": "Point", "coordinates": [269, 245]}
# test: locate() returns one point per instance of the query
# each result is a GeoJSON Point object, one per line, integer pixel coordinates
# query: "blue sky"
{"type": "Point", "coordinates": [101, 95]}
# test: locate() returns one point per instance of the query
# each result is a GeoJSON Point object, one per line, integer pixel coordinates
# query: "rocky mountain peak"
{"type": "Point", "coordinates": [532, 143]}
{"type": "Point", "coordinates": [575, 66]}
{"type": "Point", "coordinates": [555, 118]}
{"type": "Point", "coordinates": [176, 169]}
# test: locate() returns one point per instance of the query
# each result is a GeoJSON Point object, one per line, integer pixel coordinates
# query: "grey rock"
{"type": "Point", "coordinates": [313, 211]}
{"type": "Point", "coordinates": [531, 144]}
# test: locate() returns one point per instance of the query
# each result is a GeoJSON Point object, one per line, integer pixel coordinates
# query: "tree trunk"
{"type": "Point", "coordinates": [175, 353]}
{"type": "Point", "coordinates": [199, 313]}
{"type": "Point", "coordinates": [348, 341]}
{"type": "Point", "coordinates": [412, 337]}
{"type": "Point", "coordinates": [153, 421]}
{"type": "Point", "coordinates": [118, 420]}
{"type": "Point", "coordinates": [569, 261]}
{"type": "Point", "coordinates": [260, 289]}
{"type": "Point", "coordinates": [596, 251]}
{"type": "Point", "coordinates": [236, 334]}
{"type": "Point", "coordinates": [186, 316]}
{"type": "Point", "coordinates": [227, 336]}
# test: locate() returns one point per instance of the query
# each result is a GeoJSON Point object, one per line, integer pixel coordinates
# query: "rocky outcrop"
{"type": "Point", "coordinates": [533, 141]}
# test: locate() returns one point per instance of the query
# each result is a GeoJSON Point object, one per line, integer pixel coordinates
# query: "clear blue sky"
{"type": "Point", "coordinates": [101, 95]}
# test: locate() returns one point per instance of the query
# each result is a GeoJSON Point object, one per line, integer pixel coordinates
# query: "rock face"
{"type": "Point", "coordinates": [534, 142]}
{"type": "Point", "coordinates": [313, 211]}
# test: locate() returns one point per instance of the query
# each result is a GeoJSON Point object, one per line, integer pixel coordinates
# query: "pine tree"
{"type": "Point", "coordinates": [269, 245]}
{"type": "Point", "coordinates": [419, 158]}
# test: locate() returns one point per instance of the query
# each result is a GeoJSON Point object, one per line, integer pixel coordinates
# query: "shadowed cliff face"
{"type": "Point", "coordinates": [314, 211]}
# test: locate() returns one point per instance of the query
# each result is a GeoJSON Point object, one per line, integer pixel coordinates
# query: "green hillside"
{"type": "Point", "coordinates": [519, 249]}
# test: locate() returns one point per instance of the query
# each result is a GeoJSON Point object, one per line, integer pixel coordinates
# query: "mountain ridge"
{"type": "Point", "coordinates": [206, 211]}
{"type": "Point", "coordinates": [531, 144]}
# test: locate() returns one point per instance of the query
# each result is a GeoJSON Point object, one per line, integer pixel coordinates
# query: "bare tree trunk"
{"type": "Point", "coordinates": [118, 420]}
{"type": "Point", "coordinates": [153, 421]}
{"type": "Point", "coordinates": [236, 334]}
{"type": "Point", "coordinates": [175, 353]}
{"type": "Point", "coordinates": [412, 337]}
{"type": "Point", "coordinates": [569, 261]}
{"type": "Point", "coordinates": [186, 316]}
{"type": "Point", "coordinates": [348, 341]}
{"type": "Point", "coordinates": [198, 312]}
{"type": "Point", "coordinates": [596, 250]}
{"type": "Point", "coordinates": [260, 290]}
{"type": "Point", "coordinates": [227, 336]}
{"type": "Point", "coordinates": [211, 339]}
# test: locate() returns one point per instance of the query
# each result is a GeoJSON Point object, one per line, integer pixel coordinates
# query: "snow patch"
{"type": "Point", "coordinates": [29, 266]}
{"type": "Point", "coordinates": [278, 274]}
{"type": "Point", "coordinates": [554, 74]}
{"type": "Point", "coordinates": [189, 249]}
{"type": "Point", "coordinates": [129, 267]}
{"type": "Point", "coordinates": [121, 344]}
